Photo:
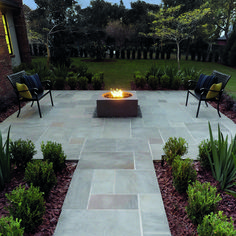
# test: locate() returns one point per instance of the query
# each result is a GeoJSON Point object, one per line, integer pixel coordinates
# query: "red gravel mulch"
{"type": "Point", "coordinates": [175, 202]}
{"type": "Point", "coordinates": [53, 203]}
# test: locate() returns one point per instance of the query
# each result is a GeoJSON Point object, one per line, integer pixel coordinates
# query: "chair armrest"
{"type": "Point", "coordinates": [192, 83]}
{"type": "Point", "coordinates": [47, 84]}
{"type": "Point", "coordinates": [34, 91]}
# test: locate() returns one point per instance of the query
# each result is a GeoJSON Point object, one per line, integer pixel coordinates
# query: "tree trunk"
{"type": "Point", "coordinates": [177, 43]}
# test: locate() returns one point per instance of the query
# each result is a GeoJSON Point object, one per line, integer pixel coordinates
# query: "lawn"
{"type": "Point", "coordinates": [119, 73]}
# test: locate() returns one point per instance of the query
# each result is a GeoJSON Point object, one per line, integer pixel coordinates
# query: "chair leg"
{"type": "Point", "coordinates": [51, 98]}
{"type": "Point", "coordinates": [39, 109]}
{"type": "Point", "coordinates": [187, 99]}
{"type": "Point", "coordinates": [32, 103]}
{"type": "Point", "coordinates": [206, 103]}
{"type": "Point", "coordinates": [218, 104]}
{"type": "Point", "coordinates": [199, 104]}
{"type": "Point", "coordinates": [19, 109]}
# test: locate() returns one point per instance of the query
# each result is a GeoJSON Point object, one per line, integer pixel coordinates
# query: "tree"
{"type": "Point", "coordinates": [170, 24]}
{"type": "Point", "coordinates": [119, 31]}
{"type": "Point", "coordinates": [223, 14]}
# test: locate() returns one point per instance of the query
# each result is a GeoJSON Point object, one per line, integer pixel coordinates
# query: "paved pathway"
{"type": "Point", "coordinates": [114, 190]}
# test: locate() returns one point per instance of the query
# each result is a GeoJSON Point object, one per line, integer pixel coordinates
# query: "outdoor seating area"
{"type": "Point", "coordinates": [30, 88]}
{"type": "Point", "coordinates": [114, 189]}
{"type": "Point", "coordinates": [208, 88]}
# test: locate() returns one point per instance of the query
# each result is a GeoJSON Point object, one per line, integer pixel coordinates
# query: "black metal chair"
{"type": "Point", "coordinates": [201, 94]}
{"type": "Point", "coordinates": [36, 94]}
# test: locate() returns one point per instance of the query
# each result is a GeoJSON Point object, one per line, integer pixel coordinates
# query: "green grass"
{"type": "Point", "coordinates": [119, 73]}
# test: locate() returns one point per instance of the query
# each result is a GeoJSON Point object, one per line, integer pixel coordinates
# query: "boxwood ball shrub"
{"type": "Point", "coordinates": [27, 205]}
{"type": "Point", "coordinates": [165, 81]}
{"type": "Point", "coordinates": [22, 151]}
{"type": "Point", "coordinates": [204, 148]}
{"type": "Point", "coordinates": [10, 227]}
{"type": "Point", "coordinates": [202, 200]}
{"type": "Point", "coordinates": [174, 147]}
{"type": "Point", "coordinates": [153, 82]}
{"type": "Point", "coordinates": [216, 224]}
{"type": "Point", "coordinates": [53, 152]}
{"type": "Point", "coordinates": [83, 82]}
{"type": "Point", "coordinates": [41, 174]}
{"type": "Point", "coordinates": [97, 80]}
{"type": "Point", "coordinates": [72, 81]}
{"type": "Point", "coordinates": [183, 173]}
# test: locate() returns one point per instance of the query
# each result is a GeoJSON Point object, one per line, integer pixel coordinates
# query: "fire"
{"type": "Point", "coordinates": [118, 93]}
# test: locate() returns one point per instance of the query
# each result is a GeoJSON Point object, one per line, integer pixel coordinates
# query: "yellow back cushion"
{"type": "Point", "coordinates": [23, 91]}
{"type": "Point", "coordinates": [215, 87]}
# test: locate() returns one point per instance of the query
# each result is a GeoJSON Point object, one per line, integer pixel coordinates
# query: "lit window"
{"type": "Point", "coordinates": [7, 34]}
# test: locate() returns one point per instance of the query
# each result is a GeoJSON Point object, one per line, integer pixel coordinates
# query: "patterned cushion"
{"type": "Point", "coordinates": [215, 87]}
{"type": "Point", "coordinates": [23, 91]}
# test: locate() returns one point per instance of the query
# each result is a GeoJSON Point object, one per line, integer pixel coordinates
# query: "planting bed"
{"type": "Point", "coordinates": [54, 201]}
{"type": "Point", "coordinates": [175, 203]}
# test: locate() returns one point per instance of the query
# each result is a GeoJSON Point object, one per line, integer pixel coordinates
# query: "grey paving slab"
{"type": "Point", "coordinates": [113, 201]}
{"type": "Point", "coordinates": [136, 181]}
{"type": "Point", "coordinates": [99, 223]}
{"type": "Point", "coordinates": [114, 190]}
{"type": "Point", "coordinates": [106, 160]}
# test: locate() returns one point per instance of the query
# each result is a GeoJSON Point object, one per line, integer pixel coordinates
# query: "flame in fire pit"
{"type": "Point", "coordinates": [118, 93]}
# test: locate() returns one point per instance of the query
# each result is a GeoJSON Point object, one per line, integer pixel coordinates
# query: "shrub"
{"type": "Point", "coordinates": [139, 80]}
{"type": "Point", "coordinates": [204, 149]}
{"type": "Point", "coordinates": [27, 205]}
{"type": "Point", "coordinates": [5, 162]}
{"type": "Point", "coordinates": [189, 74]}
{"type": "Point", "coordinates": [10, 227]}
{"type": "Point", "coordinates": [183, 174]}
{"type": "Point", "coordinates": [176, 82]}
{"type": "Point", "coordinates": [41, 174]}
{"type": "Point", "coordinates": [89, 76]}
{"type": "Point", "coordinates": [97, 81]}
{"type": "Point", "coordinates": [145, 53]}
{"type": "Point", "coordinates": [22, 151]}
{"type": "Point", "coordinates": [202, 200]}
{"type": "Point", "coordinates": [165, 81]}
{"type": "Point", "coordinates": [153, 82]}
{"type": "Point", "coordinates": [82, 69]}
{"type": "Point", "coordinates": [174, 147]}
{"type": "Point", "coordinates": [83, 82]}
{"type": "Point", "coordinates": [72, 81]}
{"type": "Point", "coordinates": [223, 165]}
{"type": "Point", "coordinates": [133, 53]}
{"type": "Point", "coordinates": [128, 53]}
{"type": "Point", "coordinates": [53, 152]}
{"type": "Point", "coordinates": [122, 53]}
{"type": "Point", "coordinates": [59, 83]}
{"type": "Point", "coordinates": [216, 224]}
{"type": "Point", "coordinates": [139, 53]}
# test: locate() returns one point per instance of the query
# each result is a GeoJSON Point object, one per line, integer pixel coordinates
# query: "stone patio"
{"type": "Point", "coordinates": [114, 190]}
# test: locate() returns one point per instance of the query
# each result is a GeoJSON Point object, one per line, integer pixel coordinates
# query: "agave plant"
{"type": "Point", "coordinates": [223, 162]}
{"type": "Point", "coordinates": [5, 164]}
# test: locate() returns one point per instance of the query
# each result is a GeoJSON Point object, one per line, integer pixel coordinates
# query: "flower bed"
{"type": "Point", "coordinates": [175, 202]}
{"type": "Point", "coordinates": [54, 201]}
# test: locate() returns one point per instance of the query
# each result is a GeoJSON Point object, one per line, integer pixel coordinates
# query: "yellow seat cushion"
{"type": "Point", "coordinates": [215, 87]}
{"type": "Point", "coordinates": [23, 91]}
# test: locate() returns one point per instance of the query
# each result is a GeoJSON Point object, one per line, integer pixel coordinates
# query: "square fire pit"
{"type": "Point", "coordinates": [117, 107]}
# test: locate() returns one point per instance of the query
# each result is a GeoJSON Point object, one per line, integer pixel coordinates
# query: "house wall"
{"type": "Point", "coordinates": [6, 90]}
{"type": "Point", "coordinates": [21, 32]}
{"type": "Point", "coordinates": [15, 59]}
{"type": "Point", "coordinates": [21, 52]}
